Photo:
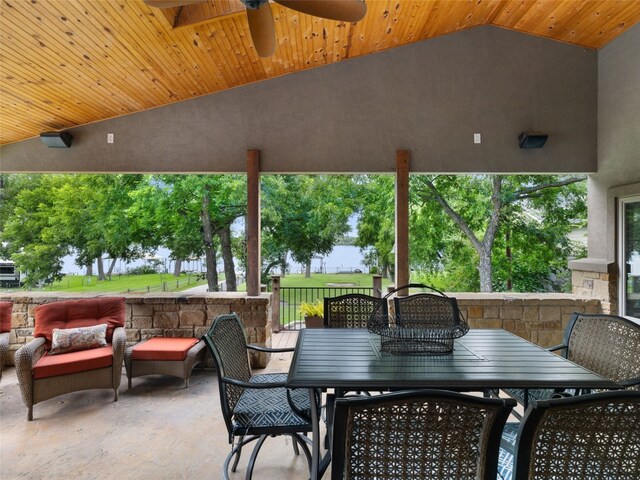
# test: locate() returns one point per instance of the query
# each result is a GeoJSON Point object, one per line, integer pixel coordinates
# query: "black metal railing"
{"type": "Point", "coordinates": [292, 297]}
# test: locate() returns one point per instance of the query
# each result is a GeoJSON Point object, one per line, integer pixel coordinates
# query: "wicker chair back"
{"type": "Point", "coordinates": [418, 435]}
{"type": "Point", "coordinates": [606, 344]}
{"type": "Point", "coordinates": [228, 345]}
{"type": "Point", "coordinates": [349, 311]}
{"type": "Point", "coordinates": [589, 436]}
{"type": "Point", "coordinates": [426, 310]}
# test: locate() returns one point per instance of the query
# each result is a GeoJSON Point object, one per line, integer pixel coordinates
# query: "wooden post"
{"type": "Point", "coordinates": [275, 303]}
{"type": "Point", "coordinates": [253, 223]}
{"type": "Point", "coordinates": [377, 286]}
{"type": "Point", "coordinates": [402, 219]}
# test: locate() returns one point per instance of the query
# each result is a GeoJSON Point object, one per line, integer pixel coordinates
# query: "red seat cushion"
{"type": "Point", "coordinates": [74, 362]}
{"type": "Point", "coordinates": [79, 313]}
{"type": "Point", "coordinates": [5, 316]}
{"type": "Point", "coordinates": [161, 348]}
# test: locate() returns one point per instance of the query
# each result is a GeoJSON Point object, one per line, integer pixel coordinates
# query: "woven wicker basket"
{"type": "Point", "coordinates": [422, 324]}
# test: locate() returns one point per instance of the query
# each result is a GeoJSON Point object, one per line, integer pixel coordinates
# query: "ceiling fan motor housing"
{"type": "Point", "coordinates": [254, 4]}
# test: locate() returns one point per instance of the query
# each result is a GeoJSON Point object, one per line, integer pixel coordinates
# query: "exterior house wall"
{"type": "Point", "coordinates": [428, 97]}
{"type": "Point", "coordinates": [618, 166]}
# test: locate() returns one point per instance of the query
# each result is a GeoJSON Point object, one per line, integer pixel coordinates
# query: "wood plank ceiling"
{"type": "Point", "coordinates": [65, 63]}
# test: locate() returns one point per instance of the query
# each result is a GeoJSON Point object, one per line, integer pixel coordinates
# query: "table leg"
{"type": "Point", "coordinates": [319, 464]}
{"type": "Point", "coordinates": [315, 436]}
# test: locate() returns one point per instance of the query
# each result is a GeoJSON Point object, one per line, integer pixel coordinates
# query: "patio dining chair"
{"type": "Point", "coordinates": [426, 309]}
{"type": "Point", "coordinates": [254, 407]}
{"type": "Point", "coordinates": [605, 344]}
{"type": "Point", "coordinates": [352, 310]}
{"type": "Point", "coordinates": [590, 437]}
{"type": "Point", "coordinates": [418, 435]}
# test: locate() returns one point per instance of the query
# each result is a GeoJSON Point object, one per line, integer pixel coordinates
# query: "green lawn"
{"type": "Point", "coordinates": [325, 279]}
{"type": "Point", "coordinates": [318, 286]}
{"type": "Point", "coordinates": [156, 282]}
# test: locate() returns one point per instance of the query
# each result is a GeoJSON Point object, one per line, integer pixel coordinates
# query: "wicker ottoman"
{"type": "Point", "coordinates": [164, 356]}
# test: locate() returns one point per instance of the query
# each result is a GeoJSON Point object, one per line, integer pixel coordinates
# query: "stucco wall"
{"type": "Point", "coordinates": [618, 166]}
{"type": "Point", "coordinates": [618, 138]}
{"type": "Point", "coordinates": [428, 97]}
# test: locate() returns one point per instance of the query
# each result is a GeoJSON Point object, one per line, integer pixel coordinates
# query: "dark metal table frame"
{"type": "Point", "coordinates": [350, 359]}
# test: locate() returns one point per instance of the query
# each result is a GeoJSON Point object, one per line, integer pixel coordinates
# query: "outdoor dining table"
{"type": "Point", "coordinates": [351, 359]}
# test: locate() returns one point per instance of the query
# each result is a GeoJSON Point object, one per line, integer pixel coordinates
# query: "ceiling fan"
{"type": "Point", "coordinates": [261, 21]}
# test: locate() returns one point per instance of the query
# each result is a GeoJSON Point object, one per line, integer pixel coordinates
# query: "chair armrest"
{"type": "Point", "coordinates": [557, 347]}
{"type": "Point", "coordinates": [630, 382]}
{"type": "Point", "coordinates": [29, 354]}
{"type": "Point", "coordinates": [119, 341]}
{"type": "Point", "coordinates": [270, 350]}
{"type": "Point", "coordinates": [118, 345]}
{"type": "Point", "coordinates": [26, 358]}
{"type": "Point", "coordinates": [240, 383]}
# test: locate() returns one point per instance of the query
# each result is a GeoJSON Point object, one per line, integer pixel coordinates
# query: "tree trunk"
{"type": "Point", "coordinates": [509, 261]}
{"type": "Point", "coordinates": [177, 267]}
{"type": "Point", "coordinates": [384, 269]}
{"type": "Point", "coordinates": [112, 266]}
{"type": "Point", "coordinates": [307, 269]}
{"type": "Point", "coordinates": [224, 234]}
{"type": "Point", "coordinates": [100, 268]}
{"type": "Point", "coordinates": [485, 271]}
{"type": "Point", "coordinates": [283, 264]}
{"type": "Point", "coordinates": [90, 269]}
{"type": "Point", "coordinates": [207, 236]}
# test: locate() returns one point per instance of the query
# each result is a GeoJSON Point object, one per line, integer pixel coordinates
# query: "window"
{"type": "Point", "coordinates": [629, 256]}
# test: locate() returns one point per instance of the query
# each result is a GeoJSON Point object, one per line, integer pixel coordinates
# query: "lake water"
{"type": "Point", "coordinates": [343, 258]}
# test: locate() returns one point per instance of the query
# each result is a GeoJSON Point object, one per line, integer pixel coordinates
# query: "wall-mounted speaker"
{"type": "Point", "coordinates": [56, 139]}
{"type": "Point", "coordinates": [532, 139]}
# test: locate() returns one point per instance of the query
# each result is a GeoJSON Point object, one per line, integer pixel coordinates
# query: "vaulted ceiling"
{"type": "Point", "coordinates": [65, 63]}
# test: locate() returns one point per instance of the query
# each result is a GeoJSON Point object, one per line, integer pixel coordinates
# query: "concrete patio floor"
{"type": "Point", "coordinates": [156, 430]}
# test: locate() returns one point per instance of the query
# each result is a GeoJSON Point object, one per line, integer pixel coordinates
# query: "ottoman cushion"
{"type": "Point", "coordinates": [163, 348]}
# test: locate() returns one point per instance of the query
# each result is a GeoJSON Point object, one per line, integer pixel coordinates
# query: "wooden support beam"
{"type": "Point", "coordinates": [253, 223]}
{"type": "Point", "coordinates": [402, 220]}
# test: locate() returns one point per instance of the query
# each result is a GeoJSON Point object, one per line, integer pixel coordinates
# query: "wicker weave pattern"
{"type": "Point", "coordinates": [181, 369]}
{"type": "Point", "coordinates": [37, 390]}
{"type": "Point", "coordinates": [349, 311]}
{"type": "Point", "coordinates": [597, 440]}
{"type": "Point", "coordinates": [424, 323]}
{"type": "Point", "coordinates": [228, 337]}
{"type": "Point", "coordinates": [607, 345]}
{"type": "Point", "coordinates": [426, 310]}
{"type": "Point", "coordinates": [419, 438]}
{"type": "Point", "coordinates": [4, 350]}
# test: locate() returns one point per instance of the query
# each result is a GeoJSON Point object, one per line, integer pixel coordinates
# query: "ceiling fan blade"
{"type": "Point", "coordinates": [171, 3]}
{"type": "Point", "coordinates": [345, 10]}
{"type": "Point", "coordinates": [263, 32]}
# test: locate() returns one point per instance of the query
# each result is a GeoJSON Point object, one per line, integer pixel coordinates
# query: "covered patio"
{"type": "Point", "coordinates": [158, 429]}
{"type": "Point", "coordinates": [415, 87]}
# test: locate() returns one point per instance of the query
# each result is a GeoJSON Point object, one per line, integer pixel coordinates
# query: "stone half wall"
{"type": "Point", "coordinates": [164, 315]}
{"type": "Point", "coordinates": [540, 318]}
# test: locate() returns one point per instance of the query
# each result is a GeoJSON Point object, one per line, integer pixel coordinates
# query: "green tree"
{"type": "Point", "coordinates": [192, 215]}
{"type": "Point", "coordinates": [304, 215]}
{"type": "Point", "coordinates": [30, 238]}
{"type": "Point", "coordinates": [523, 219]}
{"type": "Point", "coordinates": [376, 222]}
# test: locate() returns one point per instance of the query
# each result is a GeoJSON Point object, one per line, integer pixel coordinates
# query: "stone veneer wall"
{"type": "Point", "coordinates": [597, 279]}
{"type": "Point", "coordinates": [539, 318]}
{"type": "Point", "coordinates": [168, 315]}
